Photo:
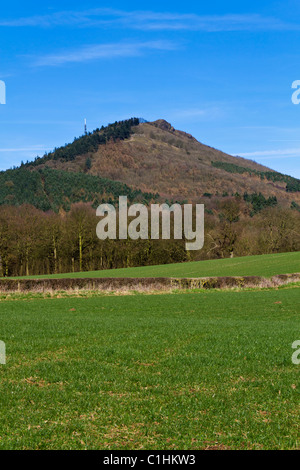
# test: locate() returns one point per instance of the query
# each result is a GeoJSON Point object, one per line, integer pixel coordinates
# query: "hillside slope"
{"type": "Point", "coordinates": [155, 157]}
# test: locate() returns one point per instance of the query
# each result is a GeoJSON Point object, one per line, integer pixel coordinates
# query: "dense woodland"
{"type": "Point", "coordinates": [48, 189]}
{"type": "Point", "coordinates": [37, 242]}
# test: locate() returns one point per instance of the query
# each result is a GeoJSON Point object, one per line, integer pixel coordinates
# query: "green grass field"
{"type": "Point", "coordinates": [261, 265]}
{"type": "Point", "coordinates": [169, 371]}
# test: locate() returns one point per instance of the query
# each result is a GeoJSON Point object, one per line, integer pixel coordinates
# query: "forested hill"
{"type": "Point", "coordinates": [36, 184]}
{"type": "Point", "coordinates": [47, 224]}
{"type": "Point", "coordinates": [156, 158]}
{"type": "Point", "coordinates": [143, 160]}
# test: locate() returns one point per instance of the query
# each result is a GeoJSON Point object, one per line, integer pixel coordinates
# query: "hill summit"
{"type": "Point", "coordinates": [152, 160]}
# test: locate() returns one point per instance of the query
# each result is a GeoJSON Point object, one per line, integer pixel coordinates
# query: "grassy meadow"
{"type": "Point", "coordinates": [197, 370]}
{"type": "Point", "coordinates": [260, 265]}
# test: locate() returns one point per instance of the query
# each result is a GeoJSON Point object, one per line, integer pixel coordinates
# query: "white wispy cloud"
{"type": "Point", "coordinates": [149, 20]}
{"type": "Point", "coordinates": [208, 23]}
{"type": "Point", "coordinates": [270, 154]}
{"type": "Point", "coordinates": [103, 51]}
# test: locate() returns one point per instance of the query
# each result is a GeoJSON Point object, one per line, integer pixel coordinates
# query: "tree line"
{"type": "Point", "coordinates": [34, 242]}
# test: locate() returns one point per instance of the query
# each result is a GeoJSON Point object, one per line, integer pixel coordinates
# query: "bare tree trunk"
{"type": "Point", "coordinates": [80, 252]}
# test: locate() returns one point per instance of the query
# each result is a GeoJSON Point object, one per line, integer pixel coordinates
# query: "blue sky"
{"type": "Point", "coordinates": [222, 71]}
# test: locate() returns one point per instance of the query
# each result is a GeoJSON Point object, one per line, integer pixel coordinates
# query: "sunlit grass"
{"type": "Point", "coordinates": [260, 265]}
{"type": "Point", "coordinates": [183, 371]}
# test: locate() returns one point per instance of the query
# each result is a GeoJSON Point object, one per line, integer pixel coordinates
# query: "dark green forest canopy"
{"type": "Point", "coordinates": [259, 202]}
{"type": "Point", "coordinates": [48, 189]}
